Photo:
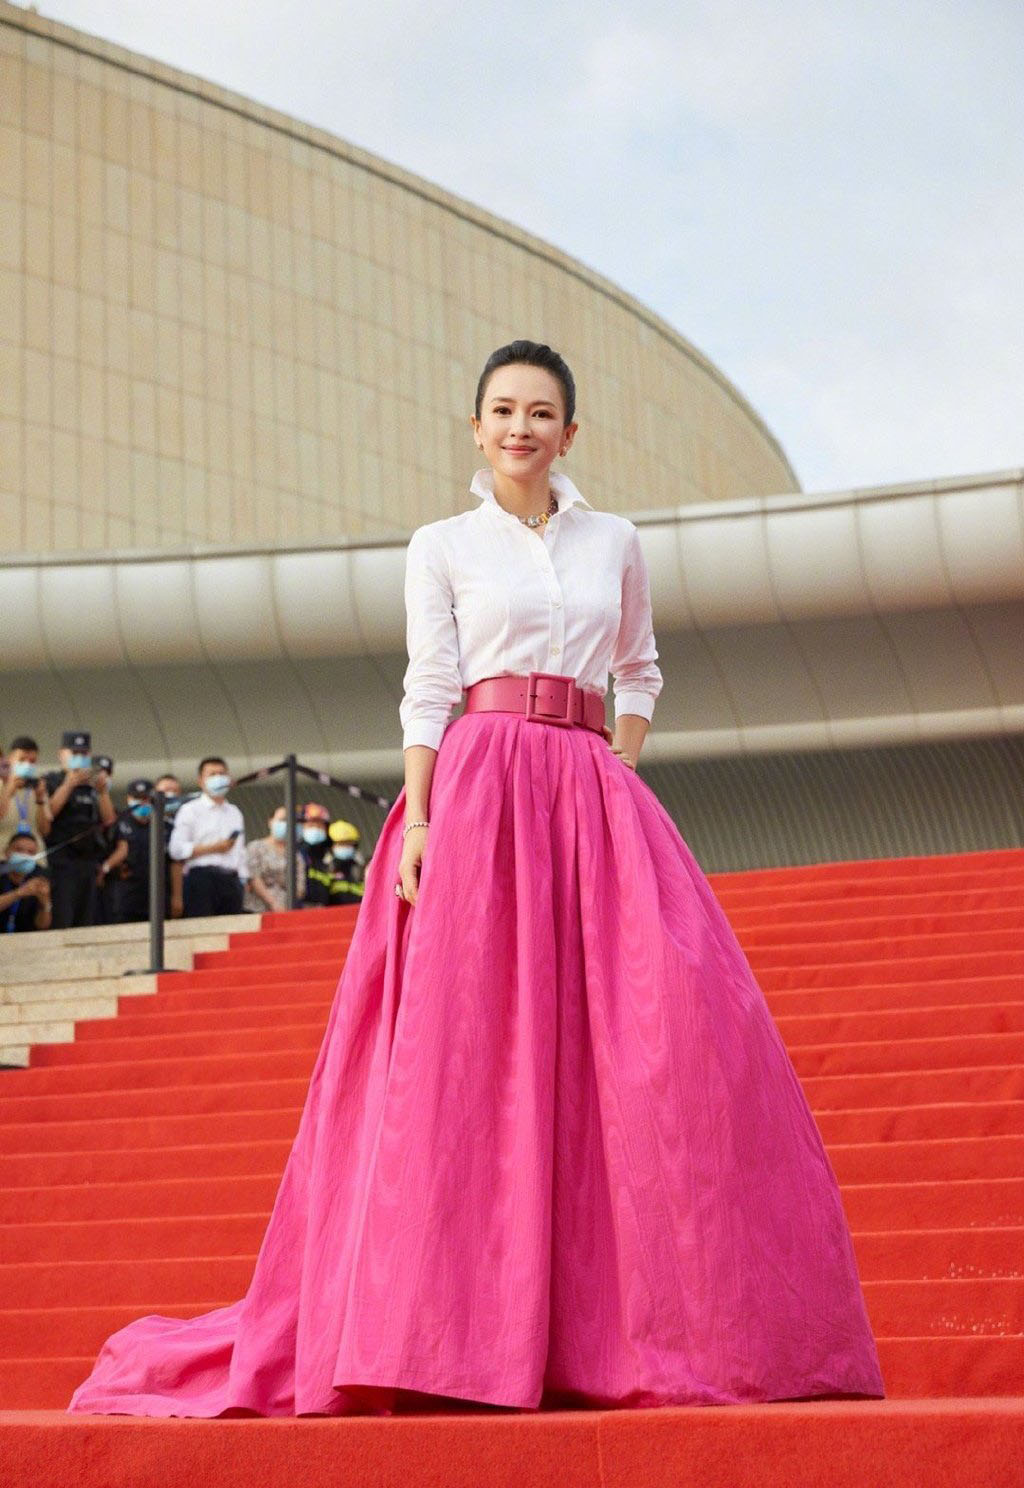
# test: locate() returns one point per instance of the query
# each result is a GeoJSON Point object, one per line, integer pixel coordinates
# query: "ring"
{"type": "Point", "coordinates": [399, 891]}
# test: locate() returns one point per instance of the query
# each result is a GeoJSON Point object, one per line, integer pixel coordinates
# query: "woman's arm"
{"type": "Point", "coordinates": [637, 676]}
{"type": "Point", "coordinates": [419, 771]}
{"type": "Point", "coordinates": [260, 891]}
{"type": "Point", "coordinates": [431, 687]}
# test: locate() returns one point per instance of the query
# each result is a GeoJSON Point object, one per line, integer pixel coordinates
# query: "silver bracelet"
{"type": "Point", "coordinates": [409, 826]}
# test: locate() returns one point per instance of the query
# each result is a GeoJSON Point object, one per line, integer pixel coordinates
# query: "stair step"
{"type": "Point", "coordinates": [140, 1161]}
{"type": "Point", "coordinates": [853, 951]}
{"type": "Point", "coordinates": [756, 930]}
{"type": "Point", "coordinates": [238, 1041]}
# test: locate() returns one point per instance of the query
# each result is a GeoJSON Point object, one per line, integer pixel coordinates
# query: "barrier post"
{"type": "Point", "coordinates": [156, 883]}
{"type": "Point", "coordinates": [290, 845]}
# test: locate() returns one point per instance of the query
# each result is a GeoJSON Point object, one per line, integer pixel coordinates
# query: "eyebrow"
{"type": "Point", "coordinates": [537, 402]}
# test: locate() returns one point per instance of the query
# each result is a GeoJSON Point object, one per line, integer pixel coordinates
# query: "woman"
{"type": "Point", "coordinates": [554, 1152]}
{"type": "Point", "coordinates": [267, 888]}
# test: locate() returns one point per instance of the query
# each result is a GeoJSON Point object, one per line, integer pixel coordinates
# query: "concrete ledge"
{"type": "Point", "coordinates": [138, 933]}
{"type": "Point", "coordinates": [15, 1014]}
{"type": "Point", "coordinates": [66, 990]}
{"type": "Point", "coordinates": [55, 979]}
{"type": "Point", "coordinates": [103, 961]}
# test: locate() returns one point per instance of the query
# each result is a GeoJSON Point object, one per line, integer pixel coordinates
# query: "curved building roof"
{"type": "Point", "coordinates": [218, 324]}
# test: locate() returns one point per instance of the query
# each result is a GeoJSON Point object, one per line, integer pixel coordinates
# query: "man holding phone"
{"type": "Point", "coordinates": [208, 839]}
{"type": "Point", "coordinates": [77, 804]}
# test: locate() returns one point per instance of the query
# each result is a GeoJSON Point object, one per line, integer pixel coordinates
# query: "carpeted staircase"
{"type": "Point", "coordinates": [139, 1162]}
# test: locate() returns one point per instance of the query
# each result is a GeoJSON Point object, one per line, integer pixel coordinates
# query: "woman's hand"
{"type": "Point", "coordinates": [409, 863]}
{"type": "Point", "coordinates": [617, 749]}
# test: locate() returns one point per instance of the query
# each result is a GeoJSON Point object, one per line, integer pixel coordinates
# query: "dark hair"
{"type": "Point", "coordinates": [529, 354]}
{"type": "Point", "coordinates": [211, 759]}
{"type": "Point", "coordinates": [24, 742]}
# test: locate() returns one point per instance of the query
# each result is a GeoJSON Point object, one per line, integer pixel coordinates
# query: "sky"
{"type": "Point", "coordinates": [826, 197]}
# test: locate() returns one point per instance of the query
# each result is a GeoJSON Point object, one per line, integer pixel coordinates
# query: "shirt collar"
{"type": "Point", "coordinates": [566, 493]}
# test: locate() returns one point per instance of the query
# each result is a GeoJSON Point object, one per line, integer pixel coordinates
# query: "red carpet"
{"type": "Point", "coordinates": [138, 1166]}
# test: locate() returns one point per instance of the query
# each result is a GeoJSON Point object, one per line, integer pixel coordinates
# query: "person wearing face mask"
{"type": "Point", "coordinates": [126, 869]}
{"type": "Point", "coordinates": [266, 858]}
{"type": "Point", "coordinates": [208, 839]}
{"type": "Point", "coordinates": [77, 808]}
{"type": "Point", "coordinates": [22, 789]}
{"type": "Point", "coordinates": [349, 864]}
{"type": "Point", "coordinates": [315, 851]}
{"type": "Point", "coordinates": [24, 888]}
{"type": "Point", "coordinates": [169, 787]}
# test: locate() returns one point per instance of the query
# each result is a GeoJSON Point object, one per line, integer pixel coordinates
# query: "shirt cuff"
{"type": "Point", "coordinates": [635, 702]}
{"type": "Point", "coordinates": [422, 731]}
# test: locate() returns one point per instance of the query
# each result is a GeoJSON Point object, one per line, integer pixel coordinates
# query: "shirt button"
{"type": "Point", "coordinates": [555, 650]}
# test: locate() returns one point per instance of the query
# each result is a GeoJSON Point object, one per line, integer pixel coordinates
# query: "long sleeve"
{"type": "Point", "coordinates": [432, 683]}
{"type": "Point", "coordinates": [637, 679]}
{"type": "Point", "coordinates": [182, 838]}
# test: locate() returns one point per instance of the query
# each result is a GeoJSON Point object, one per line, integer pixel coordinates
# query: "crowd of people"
{"type": "Point", "coordinates": [71, 858]}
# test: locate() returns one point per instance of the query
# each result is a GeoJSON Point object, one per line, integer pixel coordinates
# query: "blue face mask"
{"type": "Point", "coordinates": [314, 835]}
{"type": "Point", "coordinates": [217, 785]}
{"type": "Point", "coordinates": [25, 770]}
{"type": "Point", "coordinates": [80, 762]}
{"type": "Point", "coordinates": [279, 830]}
{"type": "Point", "coordinates": [141, 810]}
{"type": "Point", "coordinates": [344, 851]}
{"type": "Point", "coordinates": [21, 863]}
{"type": "Point", "coordinates": [171, 804]}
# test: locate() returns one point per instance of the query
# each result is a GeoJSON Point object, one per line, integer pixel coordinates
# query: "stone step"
{"type": "Point", "coordinates": [47, 966]}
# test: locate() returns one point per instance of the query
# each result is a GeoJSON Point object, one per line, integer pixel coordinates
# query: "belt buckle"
{"type": "Point", "coordinates": [540, 714]}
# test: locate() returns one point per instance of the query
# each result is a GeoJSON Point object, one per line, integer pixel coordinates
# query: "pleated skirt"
{"type": "Point", "coordinates": [553, 1154]}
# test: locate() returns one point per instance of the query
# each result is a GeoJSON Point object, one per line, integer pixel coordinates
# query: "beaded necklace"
{"type": "Point", "coordinates": [539, 520]}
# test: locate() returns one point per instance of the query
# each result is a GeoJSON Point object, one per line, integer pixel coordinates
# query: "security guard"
{"type": "Point", "coordinates": [127, 867]}
{"type": "Point", "coordinates": [347, 881]}
{"type": "Point", "coordinates": [78, 804]}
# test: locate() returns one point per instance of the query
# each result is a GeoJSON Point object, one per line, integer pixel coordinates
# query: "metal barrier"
{"type": "Point", "coordinates": [292, 769]}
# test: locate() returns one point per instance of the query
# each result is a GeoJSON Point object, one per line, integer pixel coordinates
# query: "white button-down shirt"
{"type": "Point", "coordinates": [206, 820]}
{"type": "Point", "coordinates": [487, 596]}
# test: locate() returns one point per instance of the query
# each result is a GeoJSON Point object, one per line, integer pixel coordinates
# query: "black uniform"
{"type": "Point", "coordinates": [73, 863]}
{"type": "Point", "coordinates": [330, 880]}
{"type": "Point", "coordinates": [129, 890]}
{"type": "Point", "coordinates": [348, 883]}
{"type": "Point", "coordinates": [319, 871]}
{"type": "Point", "coordinates": [21, 915]}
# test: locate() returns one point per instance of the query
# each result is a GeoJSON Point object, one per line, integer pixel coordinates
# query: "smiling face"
{"type": "Point", "coordinates": [521, 429]}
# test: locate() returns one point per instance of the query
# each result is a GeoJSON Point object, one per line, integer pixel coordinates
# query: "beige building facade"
{"type": "Point", "coordinates": [218, 325]}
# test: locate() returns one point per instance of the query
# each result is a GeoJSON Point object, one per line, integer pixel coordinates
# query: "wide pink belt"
{"type": "Point", "coordinates": [544, 697]}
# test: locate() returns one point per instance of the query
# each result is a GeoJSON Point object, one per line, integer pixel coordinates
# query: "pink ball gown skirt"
{"type": "Point", "coordinates": [553, 1152]}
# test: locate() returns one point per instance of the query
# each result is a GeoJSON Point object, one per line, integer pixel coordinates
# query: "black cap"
{"type": "Point", "coordinates": [141, 788]}
{"type": "Point", "coordinates": [104, 762]}
{"type": "Point", "coordinates": [77, 740]}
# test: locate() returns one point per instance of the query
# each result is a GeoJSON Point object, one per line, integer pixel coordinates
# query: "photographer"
{"type": "Point", "coordinates": [22, 789]}
{"type": "Point", "coordinates": [24, 888]}
{"type": "Point", "coordinates": [78, 805]}
{"type": "Point", "coordinates": [209, 840]}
